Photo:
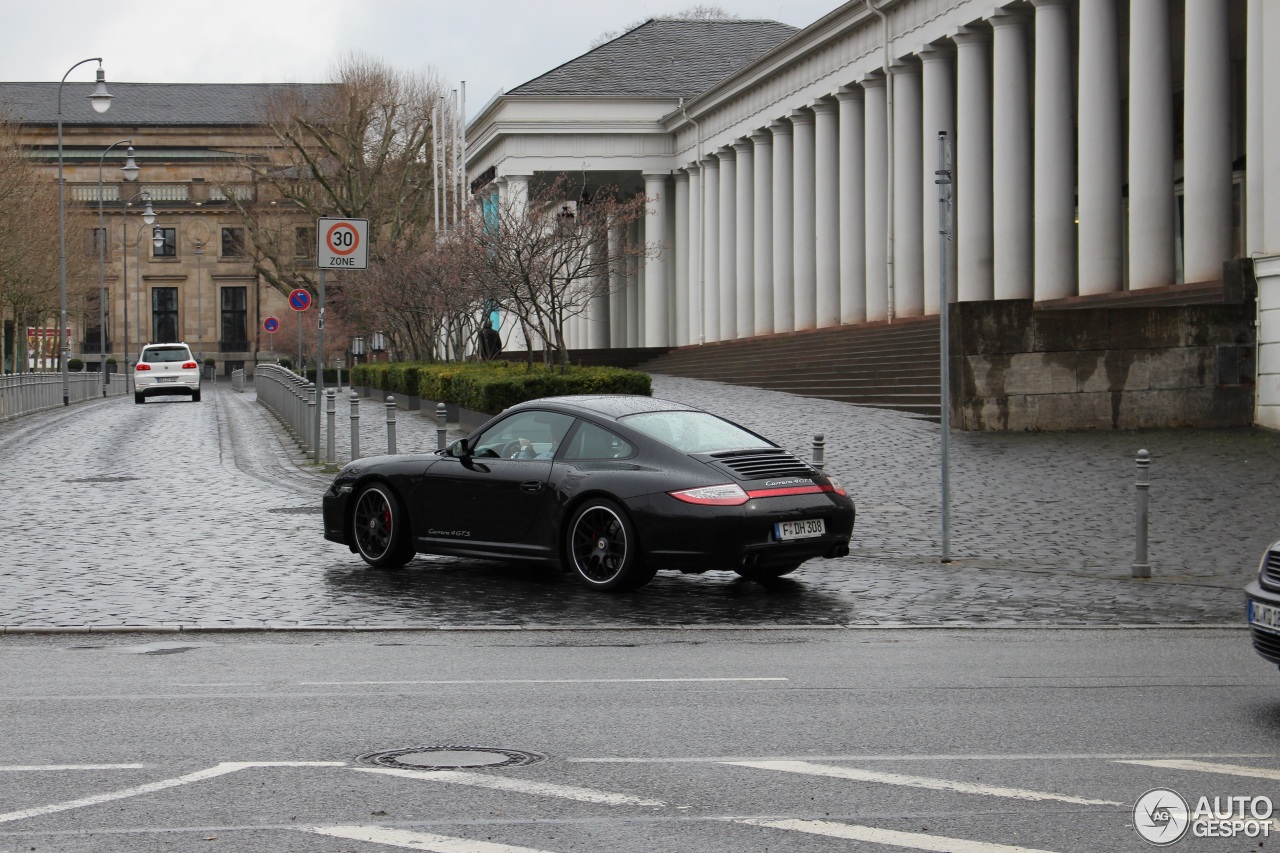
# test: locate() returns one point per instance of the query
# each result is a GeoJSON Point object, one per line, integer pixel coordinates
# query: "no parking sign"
{"type": "Point", "coordinates": [271, 324]}
{"type": "Point", "coordinates": [300, 300]}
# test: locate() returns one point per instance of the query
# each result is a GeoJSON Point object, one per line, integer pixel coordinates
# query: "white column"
{"type": "Point", "coordinates": [517, 190]}
{"type": "Point", "coordinates": [617, 288]}
{"type": "Point", "coordinates": [875, 214]}
{"type": "Point", "coordinates": [744, 264]}
{"type": "Point", "coordinates": [633, 286]}
{"type": "Point", "coordinates": [1011, 231]}
{"type": "Point", "coordinates": [938, 112]}
{"type": "Point", "coordinates": [597, 315]}
{"type": "Point", "coordinates": [728, 244]}
{"type": "Point", "coordinates": [679, 266]}
{"type": "Point", "coordinates": [711, 250]}
{"type": "Point", "coordinates": [696, 214]}
{"type": "Point", "coordinates": [1255, 142]}
{"type": "Point", "coordinates": [656, 265]}
{"type": "Point", "coordinates": [1206, 163]}
{"type": "Point", "coordinates": [1055, 174]}
{"type": "Point", "coordinates": [908, 177]}
{"type": "Point", "coordinates": [853, 246]}
{"type": "Point", "coordinates": [762, 232]}
{"type": "Point", "coordinates": [1269, 198]}
{"type": "Point", "coordinates": [784, 304]}
{"type": "Point", "coordinates": [805, 245]}
{"type": "Point", "coordinates": [1101, 223]}
{"type": "Point", "coordinates": [973, 207]}
{"type": "Point", "coordinates": [1151, 214]}
{"type": "Point", "coordinates": [826, 169]}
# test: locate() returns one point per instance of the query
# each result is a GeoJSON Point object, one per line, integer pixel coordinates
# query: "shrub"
{"type": "Point", "coordinates": [491, 387]}
{"type": "Point", "coordinates": [75, 365]}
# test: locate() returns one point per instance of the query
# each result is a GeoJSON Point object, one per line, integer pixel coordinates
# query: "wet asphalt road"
{"type": "Point", "coordinates": [182, 514]}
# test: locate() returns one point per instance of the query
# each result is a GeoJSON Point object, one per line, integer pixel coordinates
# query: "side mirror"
{"type": "Point", "coordinates": [459, 449]}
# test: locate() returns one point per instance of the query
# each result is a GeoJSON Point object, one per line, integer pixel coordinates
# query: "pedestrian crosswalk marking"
{"type": "Point", "coordinates": [889, 837]}
{"type": "Point", "coordinates": [519, 786]}
{"type": "Point", "coordinates": [859, 775]}
{"type": "Point", "coordinates": [416, 840]}
{"type": "Point", "coordinates": [1210, 767]}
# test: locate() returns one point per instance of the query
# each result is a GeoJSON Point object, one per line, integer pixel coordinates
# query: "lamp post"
{"type": "Point", "coordinates": [199, 236]}
{"type": "Point", "coordinates": [101, 100]}
{"type": "Point", "coordinates": [148, 218]}
{"type": "Point", "coordinates": [130, 170]}
{"type": "Point", "coordinates": [157, 243]}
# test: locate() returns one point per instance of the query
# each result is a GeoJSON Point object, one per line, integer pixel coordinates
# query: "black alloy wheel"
{"type": "Point", "coordinates": [381, 528]}
{"type": "Point", "coordinates": [603, 549]}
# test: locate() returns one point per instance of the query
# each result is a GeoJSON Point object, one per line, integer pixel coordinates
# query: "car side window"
{"type": "Point", "coordinates": [524, 435]}
{"type": "Point", "coordinates": [594, 443]}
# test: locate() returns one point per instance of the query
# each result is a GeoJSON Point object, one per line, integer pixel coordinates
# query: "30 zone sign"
{"type": "Point", "coordinates": [343, 244]}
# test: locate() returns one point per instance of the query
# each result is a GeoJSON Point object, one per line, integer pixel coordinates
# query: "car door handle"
{"type": "Point", "coordinates": [531, 486]}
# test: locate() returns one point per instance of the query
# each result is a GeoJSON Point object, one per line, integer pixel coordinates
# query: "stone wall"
{"type": "Point", "coordinates": [1016, 367]}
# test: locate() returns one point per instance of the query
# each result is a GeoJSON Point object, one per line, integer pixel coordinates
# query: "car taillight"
{"type": "Point", "coordinates": [188, 365]}
{"type": "Point", "coordinates": [728, 494]}
{"type": "Point", "coordinates": [143, 366]}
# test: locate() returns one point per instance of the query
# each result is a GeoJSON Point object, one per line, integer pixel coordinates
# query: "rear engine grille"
{"type": "Point", "coordinates": [768, 462]}
{"type": "Point", "coordinates": [1271, 569]}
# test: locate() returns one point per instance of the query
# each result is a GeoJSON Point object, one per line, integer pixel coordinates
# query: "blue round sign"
{"type": "Point", "coordinates": [271, 324]}
{"type": "Point", "coordinates": [300, 300]}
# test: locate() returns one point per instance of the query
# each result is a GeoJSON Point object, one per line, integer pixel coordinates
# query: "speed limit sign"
{"type": "Point", "coordinates": [343, 244]}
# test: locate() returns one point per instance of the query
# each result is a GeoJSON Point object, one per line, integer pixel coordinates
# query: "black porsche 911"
{"type": "Point", "coordinates": [611, 488]}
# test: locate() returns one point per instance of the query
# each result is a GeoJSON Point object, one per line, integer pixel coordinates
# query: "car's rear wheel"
{"type": "Point", "coordinates": [764, 573]}
{"type": "Point", "coordinates": [138, 397]}
{"type": "Point", "coordinates": [380, 528]}
{"type": "Point", "coordinates": [602, 548]}
{"type": "Point", "coordinates": [195, 396]}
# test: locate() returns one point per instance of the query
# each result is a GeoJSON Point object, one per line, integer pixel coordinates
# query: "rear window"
{"type": "Point", "coordinates": [694, 432]}
{"type": "Point", "coordinates": [165, 354]}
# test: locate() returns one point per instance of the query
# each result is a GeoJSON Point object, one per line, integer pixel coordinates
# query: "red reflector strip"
{"type": "Point", "coordinates": [790, 490]}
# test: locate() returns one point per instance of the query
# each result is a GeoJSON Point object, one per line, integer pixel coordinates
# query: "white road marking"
{"type": "Point", "coordinates": [1061, 756]}
{"type": "Point", "coordinates": [890, 837]}
{"type": "Point", "coordinates": [416, 840]}
{"type": "Point", "coordinates": [538, 681]}
{"type": "Point", "coordinates": [1208, 767]}
{"type": "Point", "coordinates": [857, 775]}
{"type": "Point", "coordinates": [36, 768]}
{"type": "Point", "coordinates": [151, 787]}
{"type": "Point", "coordinates": [519, 786]}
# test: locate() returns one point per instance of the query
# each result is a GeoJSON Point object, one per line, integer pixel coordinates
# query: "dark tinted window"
{"type": "Point", "coordinates": [593, 442]}
{"type": "Point", "coordinates": [158, 355]}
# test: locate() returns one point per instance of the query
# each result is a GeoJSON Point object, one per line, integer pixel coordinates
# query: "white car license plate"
{"type": "Point", "coordinates": [1264, 616]}
{"type": "Point", "coordinates": [166, 379]}
{"type": "Point", "coordinates": [803, 529]}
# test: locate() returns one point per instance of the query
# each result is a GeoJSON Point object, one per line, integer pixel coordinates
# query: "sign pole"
{"type": "Point", "coordinates": [319, 363]}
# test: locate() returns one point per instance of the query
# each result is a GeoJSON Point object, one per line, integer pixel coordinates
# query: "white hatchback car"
{"type": "Point", "coordinates": [166, 369]}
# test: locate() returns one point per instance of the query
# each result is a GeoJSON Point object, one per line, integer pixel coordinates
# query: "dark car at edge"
{"type": "Point", "coordinates": [1263, 595]}
{"type": "Point", "coordinates": [610, 488]}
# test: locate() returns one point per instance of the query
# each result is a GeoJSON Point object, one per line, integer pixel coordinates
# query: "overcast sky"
{"type": "Point", "coordinates": [491, 44]}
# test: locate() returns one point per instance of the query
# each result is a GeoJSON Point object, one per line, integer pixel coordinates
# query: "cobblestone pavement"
{"type": "Point", "coordinates": [182, 514]}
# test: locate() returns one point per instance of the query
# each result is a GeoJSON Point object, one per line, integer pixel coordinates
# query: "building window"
{"type": "Point", "coordinates": [95, 239]}
{"type": "Point", "coordinates": [235, 329]}
{"type": "Point", "coordinates": [233, 242]}
{"type": "Point", "coordinates": [164, 314]}
{"type": "Point", "coordinates": [169, 248]}
{"type": "Point", "coordinates": [304, 241]}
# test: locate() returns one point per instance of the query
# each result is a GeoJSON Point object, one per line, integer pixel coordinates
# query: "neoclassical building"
{"type": "Point", "coordinates": [1114, 177]}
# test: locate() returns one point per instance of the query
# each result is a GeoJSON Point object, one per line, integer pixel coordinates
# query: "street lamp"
{"type": "Point", "coordinates": [130, 170]}
{"type": "Point", "coordinates": [148, 218]}
{"type": "Point", "coordinates": [101, 100]}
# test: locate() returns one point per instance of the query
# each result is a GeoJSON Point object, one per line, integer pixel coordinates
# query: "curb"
{"type": "Point", "coordinates": [18, 630]}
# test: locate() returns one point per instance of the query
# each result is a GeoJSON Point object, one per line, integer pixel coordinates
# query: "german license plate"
{"type": "Point", "coordinates": [1264, 616]}
{"type": "Point", "coordinates": [803, 529]}
{"type": "Point", "coordinates": [166, 379]}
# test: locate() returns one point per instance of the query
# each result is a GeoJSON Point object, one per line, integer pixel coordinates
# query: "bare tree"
{"type": "Point", "coordinates": [698, 12]}
{"type": "Point", "coordinates": [548, 257]}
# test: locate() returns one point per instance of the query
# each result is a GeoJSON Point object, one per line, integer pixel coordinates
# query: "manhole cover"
{"type": "Point", "coordinates": [451, 757]}
{"type": "Point", "coordinates": [298, 510]}
{"type": "Point", "coordinates": [102, 480]}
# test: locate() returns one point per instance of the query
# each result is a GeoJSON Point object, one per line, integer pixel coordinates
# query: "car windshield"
{"type": "Point", "coordinates": [161, 354]}
{"type": "Point", "coordinates": [694, 432]}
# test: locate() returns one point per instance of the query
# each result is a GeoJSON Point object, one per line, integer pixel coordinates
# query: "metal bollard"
{"type": "Point", "coordinates": [391, 424]}
{"type": "Point", "coordinates": [312, 442]}
{"type": "Point", "coordinates": [355, 426]}
{"type": "Point", "coordinates": [331, 410]}
{"type": "Point", "coordinates": [819, 447]}
{"type": "Point", "coordinates": [441, 427]}
{"type": "Point", "coordinates": [1141, 567]}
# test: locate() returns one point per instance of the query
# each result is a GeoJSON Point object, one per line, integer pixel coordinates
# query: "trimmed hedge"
{"type": "Point", "coordinates": [495, 385]}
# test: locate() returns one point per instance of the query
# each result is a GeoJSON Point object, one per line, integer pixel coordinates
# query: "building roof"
{"type": "Point", "coordinates": [144, 104]}
{"type": "Point", "coordinates": [662, 58]}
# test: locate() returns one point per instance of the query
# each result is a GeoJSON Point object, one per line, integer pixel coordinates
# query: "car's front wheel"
{"type": "Point", "coordinates": [602, 548]}
{"type": "Point", "coordinates": [380, 527]}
